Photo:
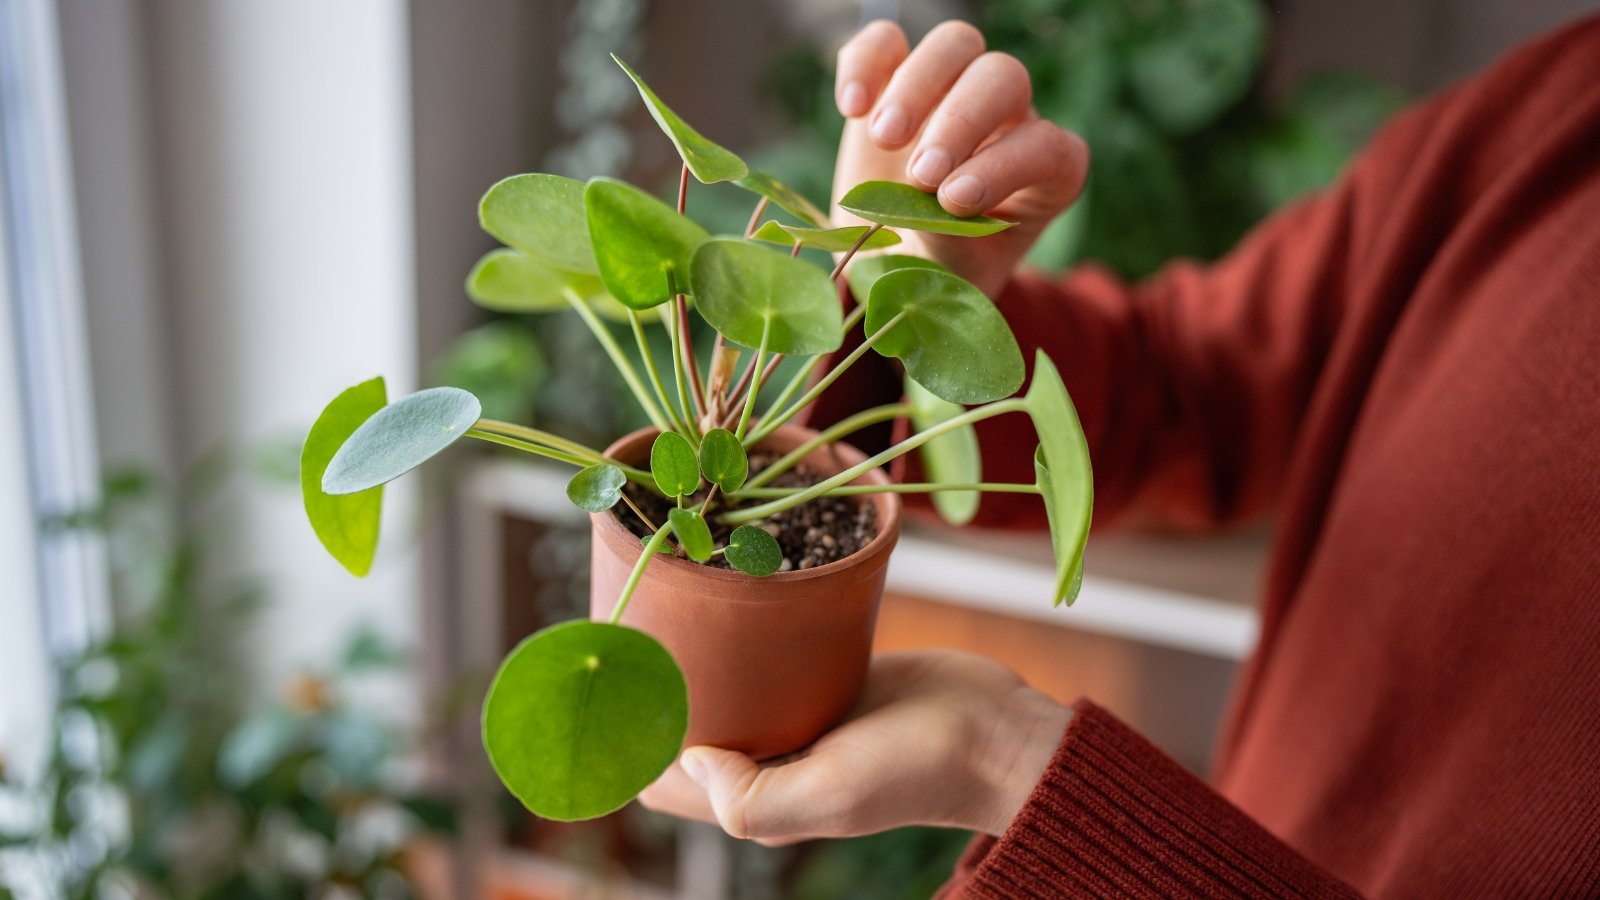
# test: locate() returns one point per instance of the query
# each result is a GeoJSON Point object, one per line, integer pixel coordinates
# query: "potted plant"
{"type": "Point", "coordinates": [738, 559]}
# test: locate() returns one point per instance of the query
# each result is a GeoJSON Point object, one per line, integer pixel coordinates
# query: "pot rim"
{"type": "Point", "coordinates": [881, 543]}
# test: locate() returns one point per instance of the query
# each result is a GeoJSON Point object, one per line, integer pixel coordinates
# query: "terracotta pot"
{"type": "Point", "coordinates": [771, 662]}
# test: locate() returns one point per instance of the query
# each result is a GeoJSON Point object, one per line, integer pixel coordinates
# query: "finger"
{"type": "Point", "coordinates": [920, 81]}
{"type": "Point", "coordinates": [764, 803]}
{"type": "Point", "coordinates": [865, 63]}
{"type": "Point", "coordinates": [993, 91]}
{"type": "Point", "coordinates": [676, 794]}
{"type": "Point", "coordinates": [1036, 171]}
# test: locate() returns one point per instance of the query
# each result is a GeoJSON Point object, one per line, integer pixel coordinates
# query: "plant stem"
{"type": "Point", "coordinates": [771, 422]}
{"type": "Point", "coordinates": [697, 389]}
{"type": "Point", "coordinates": [755, 383]}
{"type": "Point", "coordinates": [710, 494]}
{"type": "Point", "coordinates": [635, 475]}
{"type": "Point", "coordinates": [865, 236]}
{"type": "Point", "coordinates": [691, 431]}
{"type": "Point", "coordinates": [755, 218]}
{"type": "Point", "coordinates": [850, 490]}
{"type": "Point", "coordinates": [683, 189]}
{"type": "Point", "coordinates": [710, 404]}
{"type": "Point", "coordinates": [803, 375]}
{"type": "Point", "coordinates": [543, 438]}
{"type": "Point", "coordinates": [649, 358]}
{"type": "Point", "coordinates": [761, 383]}
{"type": "Point", "coordinates": [632, 583]}
{"type": "Point", "coordinates": [618, 359]}
{"type": "Point", "coordinates": [839, 429]}
{"type": "Point", "coordinates": [751, 514]}
{"type": "Point", "coordinates": [637, 511]}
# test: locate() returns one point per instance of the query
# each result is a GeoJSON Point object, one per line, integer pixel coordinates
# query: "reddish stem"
{"type": "Point", "coordinates": [683, 189]}
{"type": "Point", "coordinates": [744, 381]}
{"type": "Point", "coordinates": [839, 269]}
{"type": "Point", "coordinates": [696, 388]}
{"type": "Point", "coordinates": [755, 217]}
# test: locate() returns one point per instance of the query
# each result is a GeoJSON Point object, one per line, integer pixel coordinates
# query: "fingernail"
{"type": "Point", "coordinates": [966, 191]}
{"type": "Point", "coordinates": [853, 99]}
{"type": "Point", "coordinates": [890, 125]}
{"type": "Point", "coordinates": [931, 166]}
{"type": "Point", "coordinates": [694, 767]}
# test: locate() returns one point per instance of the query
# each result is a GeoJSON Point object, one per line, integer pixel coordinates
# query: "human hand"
{"type": "Point", "coordinates": [939, 738]}
{"type": "Point", "coordinates": [950, 118]}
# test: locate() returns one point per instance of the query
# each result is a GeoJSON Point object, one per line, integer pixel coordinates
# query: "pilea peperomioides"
{"type": "Point", "coordinates": [584, 691]}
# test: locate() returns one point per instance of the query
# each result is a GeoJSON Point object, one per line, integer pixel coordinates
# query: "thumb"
{"type": "Point", "coordinates": [733, 782]}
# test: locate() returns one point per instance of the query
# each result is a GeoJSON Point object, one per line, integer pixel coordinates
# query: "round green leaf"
{"type": "Point", "coordinates": [950, 458]}
{"type": "Point", "coordinates": [596, 488]}
{"type": "Point", "coordinates": [511, 281]}
{"type": "Point", "coordinates": [750, 293]}
{"type": "Point", "coordinates": [753, 551]}
{"type": "Point", "coordinates": [1064, 475]}
{"type": "Point", "coordinates": [400, 437]}
{"type": "Point", "coordinates": [692, 532]}
{"type": "Point", "coordinates": [723, 460]}
{"type": "Point", "coordinates": [708, 161]}
{"type": "Point", "coordinates": [903, 206]}
{"type": "Point", "coordinates": [641, 245]}
{"type": "Point", "coordinates": [346, 525]}
{"type": "Point", "coordinates": [788, 199]}
{"type": "Point", "coordinates": [673, 464]}
{"type": "Point", "coordinates": [582, 716]}
{"type": "Point", "coordinates": [833, 240]}
{"type": "Point", "coordinates": [864, 273]}
{"type": "Point", "coordinates": [953, 340]}
{"type": "Point", "coordinates": [541, 215]}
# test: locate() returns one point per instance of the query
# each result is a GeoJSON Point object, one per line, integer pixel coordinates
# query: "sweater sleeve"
{"type": "Point", "coordinates": [1115, 817]}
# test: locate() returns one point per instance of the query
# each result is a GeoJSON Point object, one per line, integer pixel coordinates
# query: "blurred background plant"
{"type": "Point", "coordinates": [168, 775]}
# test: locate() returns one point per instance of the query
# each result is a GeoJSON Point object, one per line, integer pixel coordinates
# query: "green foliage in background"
{"type": "Point", "coordinates": [165, 777]}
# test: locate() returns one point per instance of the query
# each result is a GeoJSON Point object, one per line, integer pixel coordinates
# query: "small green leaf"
{"type": "Point", "coordinates": [903, 206]}
{"type": "Point", "coordinates": [582, 716]}
{"type": "Point", "coordinates": [400, 437]}
{"type": "Point", "coordinates": [596, 488]}
{"type": "Point", "coordinates": [511, 281]}
{"type": "Point", "coordinates": [787, 198]}
{"type": "Point", "coordinates": [673, 464]}
{"type": "Point", "coordinates": [746, 291]}
{"type": "Point", "coordinates": [540, 215]}
{"type": "Point", "coordinates": [864, 273]}
{"type": "Point", "coordinates": [953, 340]}
{"type": "Point", "coordinates": [1065, 478]}
{"type": "Point", "coordinates": [692, 532]}
{"type": "Point", "coordinates": [641, 245]}
{"type": "Point", "coordinates": [346, 525]}
{"type": "Point", "coordinates": [833, 240]}
{"type": "Point", "coordinates": [950, 458]}
{"type": "Point", "coordinates": [707, 160]}
{"type": "Point", "coordinates": [723, 461]}
{"type": "Point", "coordinates": [753, 551]}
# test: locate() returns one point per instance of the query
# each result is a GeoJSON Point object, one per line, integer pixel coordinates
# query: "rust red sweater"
{"type": "Point", "coordinates": [1405, 370]}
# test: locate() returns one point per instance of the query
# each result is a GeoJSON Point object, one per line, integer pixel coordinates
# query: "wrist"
{"type": "Point", "coordinates": [1013, 757]}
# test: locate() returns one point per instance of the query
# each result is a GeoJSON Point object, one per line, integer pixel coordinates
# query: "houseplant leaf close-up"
{"type": "Point", "coordinates": [950, 458]}
{"type": "Point", "coordinates": [950, 336]}
{"type": "Point", "coordinates": [709, 161]}
{"type": "Point", "coordinates": [400, 437]}
{"type": "Point", "coordinates": [347, 525]}
{"type": "Point", "coordinates": [758, 296]}
{"type": "Point", "coordinates": [541, 215]}
{"type": "Point", "coordinates": [642, 246]}
{"type": "Point", "coordinates": [1064, 476]}
{"type": "Point", "coordinates": [582, 716]}
{"type": "Point", "coordinates": [903, 206]}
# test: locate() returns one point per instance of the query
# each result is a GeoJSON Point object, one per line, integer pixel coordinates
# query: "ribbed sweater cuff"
{"type": "Point", "coordinates": [1114, 816]}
